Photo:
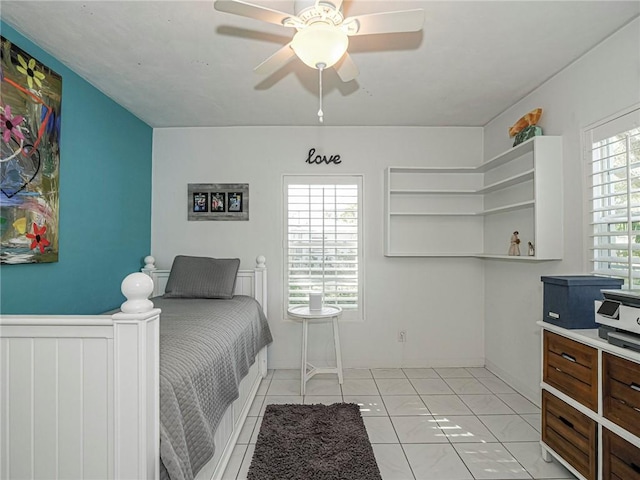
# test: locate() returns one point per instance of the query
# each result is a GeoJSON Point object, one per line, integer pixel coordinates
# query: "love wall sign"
{"type": "Point", "coordinates": [317, 159]}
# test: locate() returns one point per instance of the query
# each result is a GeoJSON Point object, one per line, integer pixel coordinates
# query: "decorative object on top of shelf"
{"type": "Point", "coordinates": [218, 201]}
{"type": "Point", "coordinates": [532, 250]}
{"type": "Point", "coordinates": [528, 132]}
{"type": "Point", "coordinates": [514, 248]}
{"type": "Point", "coordinates": [526, 127]}
{"type": "Point", "coordinates": [527, 120]}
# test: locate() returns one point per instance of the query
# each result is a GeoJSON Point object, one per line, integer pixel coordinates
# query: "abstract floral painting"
{"type": "Point", "coordinates": [30, 102]}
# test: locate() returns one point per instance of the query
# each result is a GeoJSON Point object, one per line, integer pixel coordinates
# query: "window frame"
{"type": "Point", "coordinates": [327, 179]}
{"type": "Point", "coordinates": [616, 124]}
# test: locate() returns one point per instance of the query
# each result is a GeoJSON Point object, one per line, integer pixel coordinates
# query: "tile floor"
{"type": "Point", "coordinates": [423, 423]}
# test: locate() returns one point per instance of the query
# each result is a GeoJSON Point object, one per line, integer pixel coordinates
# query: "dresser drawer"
{"type": "Point", "coordinates": [571, 434]}
{"type": "Point", "coordinates": [572, 368]}
{"type": "Point", "coordinates": [621, 459]}
{"type": "Point", "coordinates": [621, 392]}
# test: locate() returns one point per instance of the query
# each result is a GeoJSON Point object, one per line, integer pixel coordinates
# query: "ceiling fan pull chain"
{"type": "Point", "coordinates": [320, 112]}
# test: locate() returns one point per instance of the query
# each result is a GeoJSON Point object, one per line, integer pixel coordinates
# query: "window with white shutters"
{"type": "Point", "coordinates": [323, 241]}
{"type": "Point", "coordinates": [615, 198]}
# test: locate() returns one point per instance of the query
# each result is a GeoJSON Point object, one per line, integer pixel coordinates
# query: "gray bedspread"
{"type": "Point", "coordinates": [206, 348]}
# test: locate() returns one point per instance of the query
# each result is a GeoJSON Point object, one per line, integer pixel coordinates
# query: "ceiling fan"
{"type": "Point", "coordinates": [322, 33]}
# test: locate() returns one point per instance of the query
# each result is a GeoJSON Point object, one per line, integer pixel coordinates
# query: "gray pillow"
{"type": "Point", "coordinates": [202, 277]}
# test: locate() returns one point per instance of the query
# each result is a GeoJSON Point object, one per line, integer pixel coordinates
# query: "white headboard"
{"type": "Point", "coordinates": [249, 282]}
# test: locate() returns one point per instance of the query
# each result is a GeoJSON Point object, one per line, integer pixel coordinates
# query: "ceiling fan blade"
{"type": "Point", "coordinates": [346, 68]}
{"type": "Point", "coordinates": [276, 61]}
{"type": "Point", "coordinates": [386, 22]}
{"type": "Point", "coordinates": [249, 10]}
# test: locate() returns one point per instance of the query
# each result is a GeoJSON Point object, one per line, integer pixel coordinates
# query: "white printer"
{"type": "Point", "coordinates": [618, 316]}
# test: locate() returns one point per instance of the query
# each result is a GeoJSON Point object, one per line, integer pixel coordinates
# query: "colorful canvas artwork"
{"type": "Point", "coordinates": [30, 103]}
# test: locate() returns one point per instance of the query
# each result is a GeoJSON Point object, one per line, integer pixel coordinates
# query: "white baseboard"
{"type": "Point", "coordinates": [434, 363]}
{"type": "Point", "coordinates": [532, 395]}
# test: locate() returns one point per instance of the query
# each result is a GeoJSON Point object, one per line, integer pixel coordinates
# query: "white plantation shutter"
{"type": "Point", "coordinates": [323, 241]}
{"type": "Point", "coordinates": [615, 198]}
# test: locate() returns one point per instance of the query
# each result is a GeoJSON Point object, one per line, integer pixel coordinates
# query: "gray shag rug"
{"type": "Point", "coordinates": [313, 442]}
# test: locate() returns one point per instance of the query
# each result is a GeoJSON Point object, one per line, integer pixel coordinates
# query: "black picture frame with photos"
{"type": "Point", "coordinates": [217, 201]}
{"type": "Point", "coordinates": [234, 202]}
{"type": "Point", "coordinates": [200, 202]}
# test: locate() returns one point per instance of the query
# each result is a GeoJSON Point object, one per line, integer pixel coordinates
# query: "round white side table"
{"type": "Point", "coordinates": [303, 314]}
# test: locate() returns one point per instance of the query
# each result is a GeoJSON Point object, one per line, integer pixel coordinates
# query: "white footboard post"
{"type": "Point", "coordinates": [260, 282]}
{"type": "Point", "coordinates": [260, 293]}
{"type": "Point", "coordinates": [136, 383]}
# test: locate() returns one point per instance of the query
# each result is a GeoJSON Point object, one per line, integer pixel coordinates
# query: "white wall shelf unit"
{"type": "Point", "coordinates": [472, 211]}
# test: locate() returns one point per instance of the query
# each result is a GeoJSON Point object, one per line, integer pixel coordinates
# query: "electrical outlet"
{"type": "Point", "coordinates": [402, 336]}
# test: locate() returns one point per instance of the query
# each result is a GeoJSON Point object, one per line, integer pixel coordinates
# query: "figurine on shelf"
{"type": "Point", "coordinates": [514, 248]}
{"type": "Point", "coordinates": [532, 251]}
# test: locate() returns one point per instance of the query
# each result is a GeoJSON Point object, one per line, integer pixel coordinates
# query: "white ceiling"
{"type": "Point", "coordinates": [182, 63]}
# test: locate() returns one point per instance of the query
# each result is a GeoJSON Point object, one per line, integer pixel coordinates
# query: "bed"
{"type": "Point", "coordinates": [83, 393]}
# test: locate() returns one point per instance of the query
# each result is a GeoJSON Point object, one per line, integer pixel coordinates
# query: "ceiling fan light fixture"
{"type": "Point", "coordinates": [320, 44]}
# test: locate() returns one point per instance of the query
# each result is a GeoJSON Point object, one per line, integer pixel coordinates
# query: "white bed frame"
{"type": "Point", "coordinates": [79, 394]}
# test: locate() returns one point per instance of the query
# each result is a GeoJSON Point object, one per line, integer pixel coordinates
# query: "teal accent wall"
{"type": "Point", "coordinates": [105, 204]}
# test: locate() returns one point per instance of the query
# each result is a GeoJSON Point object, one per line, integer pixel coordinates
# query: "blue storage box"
{"type": "Point", "coordinates": [568, 300]}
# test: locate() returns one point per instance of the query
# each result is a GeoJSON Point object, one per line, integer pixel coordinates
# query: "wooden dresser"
{"type": "Point", "coordinates": [590, 404]}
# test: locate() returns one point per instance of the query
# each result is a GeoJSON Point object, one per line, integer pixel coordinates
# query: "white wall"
{"type": "Point", "coordinates": [601, 83]}
{"type": "Point", "coordinates": [440, 302]}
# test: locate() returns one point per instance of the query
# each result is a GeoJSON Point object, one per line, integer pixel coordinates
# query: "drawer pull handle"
{"type": "Point", "coordinates": [566, 356]}
{"type": "Point", "coordinates": [566, 422]}
{"type": "Point", "coordinates": [635, 386]}
{"type": "Point", "coordinates": [635, 467]}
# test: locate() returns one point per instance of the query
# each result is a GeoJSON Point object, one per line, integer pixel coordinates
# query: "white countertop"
{"type": "Point", "coordinates": [590, 337]}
